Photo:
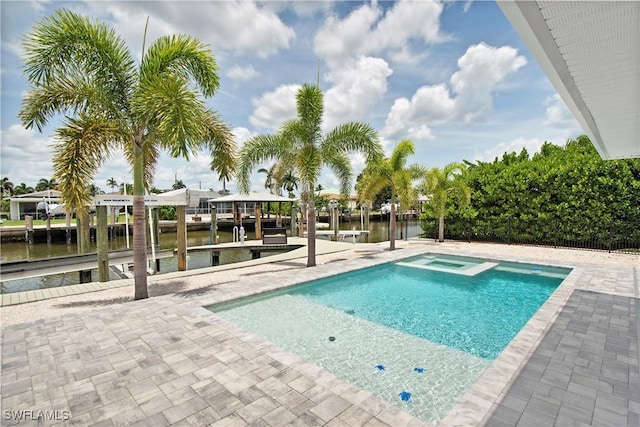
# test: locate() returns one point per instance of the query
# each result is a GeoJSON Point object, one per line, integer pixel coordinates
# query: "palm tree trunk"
{"type": "Point", "coordinates": [392, 225]}
{"type": "Point", "coordinates": [84, 233]}
{"type": "Point", "coordinates": [441, 229]}
{"type": "Point", "coordinates": [303, 211]}
{"type": "Point", "coordinates": [139, 234]}
{"type": "Point", "coordinates": [311, 234]}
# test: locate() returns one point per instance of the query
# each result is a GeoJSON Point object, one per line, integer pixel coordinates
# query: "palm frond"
{"type": "Point", "coordinates": [309, 102]}
{"type": "Point", "coordinates": [370, 185]}
{"type": "Point", "coordinates": [398, 159]}
{"type": "Point", "coordinates": [442, 184]}
{"type": "Point", "coordinates": [150, 155]}
{"type": "Point", "coordinates": [295, 133]}
{"type": "Point", "coordinates": [222, 145]}
{"type": "Point", "coordinates": [255, 151]}
{"type": "Point", "coordinates": [309, 161]}
{"type": "Point", "coordinates": [83, 145]}
{"type": "Point", "coordinates": [341, 166]}
{"type": "Point", "coordinates": [354, 137]}
{"type": "Point", "coordinates": [70, 94]}
{"type": "Point", "coordinates": [405, 191]}
{"type": "Point", "coordinates": [417, 171]}
{"type": "Point", "coordinates": [181, 56]}
{"type": "Point", "coordinates": [68, 47]}
{"type": "Point", "coordinates": [175, 112]}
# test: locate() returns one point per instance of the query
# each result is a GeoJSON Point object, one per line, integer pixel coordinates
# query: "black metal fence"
{"type": "Point", "coordinates": [614, 236]}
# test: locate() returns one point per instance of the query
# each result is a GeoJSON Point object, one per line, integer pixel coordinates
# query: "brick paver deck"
{"type": "Point", "coordinates": [585, 370]}
{"type": "Point", "coordinates": [169, 361]}
{"type": "Point", "coordinates": [158, 363]}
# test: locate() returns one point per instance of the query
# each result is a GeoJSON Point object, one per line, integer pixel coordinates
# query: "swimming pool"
{"type": "Point", "coordinates": [416, 332]}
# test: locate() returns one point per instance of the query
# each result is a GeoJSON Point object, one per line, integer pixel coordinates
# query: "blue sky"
{"type": "Point", "coordinates": [454, 77]}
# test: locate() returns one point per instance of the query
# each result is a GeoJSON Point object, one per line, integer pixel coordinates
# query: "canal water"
{"type": "Point", "coordinates": [379, 231]}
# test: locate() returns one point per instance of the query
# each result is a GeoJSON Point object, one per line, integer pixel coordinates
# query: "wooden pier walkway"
{"type": "Point", "coordinates": [24, 269]}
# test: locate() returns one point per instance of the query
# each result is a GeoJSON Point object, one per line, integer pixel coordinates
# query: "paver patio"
{"type": "Point", "coordinates": [168, 361]}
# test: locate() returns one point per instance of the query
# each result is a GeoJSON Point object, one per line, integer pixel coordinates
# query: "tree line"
{"type": "Point", "coordinates": [561, 191]}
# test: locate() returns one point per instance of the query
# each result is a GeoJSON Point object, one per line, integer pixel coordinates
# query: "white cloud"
{"type": "Point", "coordinates": [357, 86]}
{"type": "Point", "coordinates": [242, 135]}
{"type": "Point", "coordinates": [531, 144]}
{"type": "Point", "coordinates": [369, 30]}
{"type": "Point", "coordinates": [481, 70]}
{"type": "Point", "coordinates": [274, 108]}
{"type": "Point", "coordinates": [557, 114]}
{"type": "Point", "coordinates": [303, 8]}
{"type": "Point", "coordinates": [26, 156]}
{"type": "Point", "coordinates": [429, 105]}
{"type": "Point", "coordinates": [339, 39]}
{"type": "Point", "coordinates": [407, 20]}
{"type": "Point", "coordinates": [235, 26]}
{"type": "Point", "coordinates": [242, 74]}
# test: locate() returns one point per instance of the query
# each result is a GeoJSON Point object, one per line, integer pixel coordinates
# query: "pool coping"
{"type": "Point", "coordinates": [474, 406]}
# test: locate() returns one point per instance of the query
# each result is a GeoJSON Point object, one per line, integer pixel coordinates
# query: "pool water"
{"type": "Point", "coordinates": [416, 337]}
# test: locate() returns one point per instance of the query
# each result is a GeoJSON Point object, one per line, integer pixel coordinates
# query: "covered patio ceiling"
{"type": "Point", "coordinates": [590, 50]}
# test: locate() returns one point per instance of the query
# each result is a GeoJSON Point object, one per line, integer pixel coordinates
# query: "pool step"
{"type": "Point", "coordinates": [465, 269]}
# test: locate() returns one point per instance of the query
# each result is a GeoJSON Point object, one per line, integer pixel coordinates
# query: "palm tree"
{"type": "Point", "coordinates": [441, 185]}
{"type": "Point", "coordinates": [178, 185]}
{"type": "Point", "coordinates": [125, 188]}
{"type": "Point", "coordinates": [94, 190]}
{"type": "Point", "coordinates": [392, 171]}
{"type": "Point", "coordinates": [81, 68]}
{"type": "Point", "coordinates": [111, 182]}
{"type": "Point", "coordinates": [7, 186]}
{"type": "Point", "coordinates": [46, 184]}
{"type": "Point", "coordinates": [290, 183]}
{"type": "Point", "coordinates": [269, 183]}
{"type": "Point", "coordinates": [300, 145]}
{"type": "Point", "coordinates": [22, 188]}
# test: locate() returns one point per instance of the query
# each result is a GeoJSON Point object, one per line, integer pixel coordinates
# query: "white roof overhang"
{"type": "Point", "coordinates": [590, 50]}
{"type": "Point", "coordinates": [251, 197]}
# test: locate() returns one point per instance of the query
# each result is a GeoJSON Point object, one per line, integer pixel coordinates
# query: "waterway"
{"type": "Point", "coordinates": [378, 232]}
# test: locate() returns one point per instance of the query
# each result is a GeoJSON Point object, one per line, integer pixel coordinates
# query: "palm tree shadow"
{"type": "Point", "coordinates": [95, 302]}
{"type": "Point", "coordinates": [196, 292]}
{"type": "Point", "coordinates": [174, 287]}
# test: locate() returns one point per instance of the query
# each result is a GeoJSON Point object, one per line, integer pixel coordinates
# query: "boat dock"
{"type": "Point", "coordinates": [256, 247]}
{"type": "Point", "coordinates": [24, 269]}
{"type": "Point", "coordinates": [341, 233]}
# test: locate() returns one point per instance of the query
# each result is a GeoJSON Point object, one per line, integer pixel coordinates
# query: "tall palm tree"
{"type": "Point", "coordinates": [7, 186]}
{"type": "Point", "coordinates": [300, 145]}
{"type": "Point", "coordinates": [81, 68]}
{"type": "Point", "coordinates": [392, 171]}
{"type": "Point", "coordinates": [111, 182]}
{"type": "Point", "coordinates": [442, 185]}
